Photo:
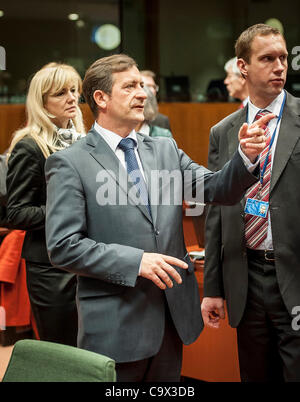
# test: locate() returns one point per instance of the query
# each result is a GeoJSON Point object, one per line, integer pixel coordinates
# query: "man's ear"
{"type": "Point", "coordinates": [101, 98]}
{"type": "Point", "coordinates": [242, 65]}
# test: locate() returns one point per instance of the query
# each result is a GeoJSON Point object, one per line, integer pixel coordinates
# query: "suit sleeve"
{"type": "Point", "coordinates": [24, 181]}
{"type": "Point", "coordinates": [213, 278]}
{"type": "Point", "coordinates": [223, 187]}
{"type": "Point", "coordinates": [68, 244]}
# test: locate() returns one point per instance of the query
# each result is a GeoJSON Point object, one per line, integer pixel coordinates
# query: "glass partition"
{"type": "Point", "coordinates": [185, 43]}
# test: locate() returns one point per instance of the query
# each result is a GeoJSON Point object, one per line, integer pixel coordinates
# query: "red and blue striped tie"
{"type": "Point", "coordinates": [256, 227]}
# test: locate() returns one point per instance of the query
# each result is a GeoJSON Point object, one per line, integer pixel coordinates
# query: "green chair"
{"type": "Point", "coordinates": [40, 361]}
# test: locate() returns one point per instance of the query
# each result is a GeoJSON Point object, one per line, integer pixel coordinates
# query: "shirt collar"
{"type": "Point", "coordinates": [245, 101]}
{"type": "Point", "coordinates": [273, 107]}
{"type": "Point", "coordinates": [145, 129]}
{"type": "Point", "coordinates": [112, 138]}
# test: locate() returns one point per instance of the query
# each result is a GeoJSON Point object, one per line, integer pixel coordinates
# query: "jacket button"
{"type": "Point", "coordinates": [156, 232]}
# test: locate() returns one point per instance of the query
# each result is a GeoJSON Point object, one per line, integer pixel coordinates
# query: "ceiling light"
{"type": "Point", "coordinates": [107, 36]}
{"type": "Point", "coordinates": [73, 17]}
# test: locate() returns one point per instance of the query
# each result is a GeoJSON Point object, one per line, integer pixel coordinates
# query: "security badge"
{"type": "Point", "coordinates": [256, 207]}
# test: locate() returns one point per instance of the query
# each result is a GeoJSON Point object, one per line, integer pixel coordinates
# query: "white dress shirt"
{"type": "Point", "coordinates": [113, 140]}
{"type": "Point", "coordinates": [274, 108]}
{"type": "Point", "coordinates": [245, 101]}
{"type": "Point", "coordinates": [145, 129]}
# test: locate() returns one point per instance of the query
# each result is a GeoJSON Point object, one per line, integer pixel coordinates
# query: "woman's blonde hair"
{"type": "Point", "coordinates": [53, 77]}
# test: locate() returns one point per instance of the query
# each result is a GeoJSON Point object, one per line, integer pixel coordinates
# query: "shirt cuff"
{"type": "Point", "coordinates": [249, 165]}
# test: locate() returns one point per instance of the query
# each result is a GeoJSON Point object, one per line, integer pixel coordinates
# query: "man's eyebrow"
{"type": "Point", "coordinates": [272, 55]}
{"type": "Point", "coordinates": [133, 81]}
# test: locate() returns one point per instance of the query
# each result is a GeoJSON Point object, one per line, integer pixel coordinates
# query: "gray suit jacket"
{"type": "Point", "coordinates": [226, 269]}
{"type": "Point", "coordinates": [122, 314]}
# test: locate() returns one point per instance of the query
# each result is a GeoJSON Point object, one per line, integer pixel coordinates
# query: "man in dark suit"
{"type": "Point", "coordinates": [161, 120]}
{"type": "Point", "coordinates": [252, 259]}
{"type": "Point", "coordinates": [138, 298]}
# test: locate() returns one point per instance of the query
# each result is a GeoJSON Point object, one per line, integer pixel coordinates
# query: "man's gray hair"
{"type": "Point", "coordinates": [232, 63]}
{"type": "Point", "coordinates": [151, 107]}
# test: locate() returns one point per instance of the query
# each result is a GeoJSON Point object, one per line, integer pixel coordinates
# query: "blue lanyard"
{"type": "Point", "coordinates": [262, 171]}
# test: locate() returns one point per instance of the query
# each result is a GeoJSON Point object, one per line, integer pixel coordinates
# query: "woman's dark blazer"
{"type": "Point", "coordinates": [26, 198]}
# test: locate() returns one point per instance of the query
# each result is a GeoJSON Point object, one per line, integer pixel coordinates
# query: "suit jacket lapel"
{"type": "Point", "coordinates": [233, 139]}
{"type": "Point", "coordinates": [149, 161]}
{"type": "Point", "coordinates": [288, 136]}
{"type": "Point", "coordinates": [232, 134]}
{"type": "Point", "coordinates": [104, 155]}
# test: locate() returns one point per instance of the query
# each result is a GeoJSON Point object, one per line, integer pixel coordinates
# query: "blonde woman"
{"type": "Point", "coordinates": [54, 121]}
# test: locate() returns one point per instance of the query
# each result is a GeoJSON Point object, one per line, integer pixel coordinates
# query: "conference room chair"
{"type": "Point", "coordinates": [40, 361]}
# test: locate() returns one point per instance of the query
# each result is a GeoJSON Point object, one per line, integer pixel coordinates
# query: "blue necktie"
{"type": "Point", "coordinates": [127, 145]}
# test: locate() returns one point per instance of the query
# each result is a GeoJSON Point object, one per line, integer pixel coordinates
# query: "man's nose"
{"type": "Point", "coordinates": [279, 65]}
{"type": "Point", "coordinates": [141, 94]}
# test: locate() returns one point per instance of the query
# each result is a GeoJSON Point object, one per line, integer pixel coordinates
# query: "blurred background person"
{"type": "Point", "coordinates": [54, 121]}
{"type": "Point", "coordinates": [235, 83]}
{"type": "Point", "coordinates": [147, 127]}
{"type": "Point", "coordinates": [160, 120]}
{"type": "Point", "coordinates": [3, 170]}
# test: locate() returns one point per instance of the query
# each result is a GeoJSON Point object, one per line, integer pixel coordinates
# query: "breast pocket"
{"type": "Point", "coordinates": [295, 156]}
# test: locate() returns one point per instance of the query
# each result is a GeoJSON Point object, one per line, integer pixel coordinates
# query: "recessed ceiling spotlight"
{"type": "Point", "coordinates": [73, 17]}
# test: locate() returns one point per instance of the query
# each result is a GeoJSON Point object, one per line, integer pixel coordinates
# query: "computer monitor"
{"type": "Point", "coordinates": [177, 89]}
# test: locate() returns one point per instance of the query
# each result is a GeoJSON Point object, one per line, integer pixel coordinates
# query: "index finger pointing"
{"type": "Point", "coordinates": [264, 120]}
{"type": "Point", "coordinates": [243, 131]}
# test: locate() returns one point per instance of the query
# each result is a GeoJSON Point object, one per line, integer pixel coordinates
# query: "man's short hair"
{"type": "Point", "coordinates": [244, 42]}
{"type": "Point", "coordinates": [100, 76]}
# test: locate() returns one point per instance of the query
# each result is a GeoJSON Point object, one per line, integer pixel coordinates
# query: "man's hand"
{"type": "Point", "coordinates": [157, 268]}
{"type": "Point", "coordinates": [252, 137]}
{"type": "Point", "coordinates": [212, 309]}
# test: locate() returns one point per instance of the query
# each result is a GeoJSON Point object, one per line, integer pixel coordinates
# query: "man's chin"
{"type": "Point", "coordinates": [135, 120]}
{"type": "Point", "coordinates": [139, 117]}
{"type": "Point", "coordinates": [278, 86]}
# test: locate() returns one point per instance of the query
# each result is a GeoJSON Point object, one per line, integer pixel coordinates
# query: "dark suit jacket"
{"type": "Point", "coordinates": [161, 120]}
{"type": "Point", "coordinates": [26, 198]}
{"type": "Point", "coordinates": [122, 314]}
{"type": "Point", "coordinates": [226, 269]}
